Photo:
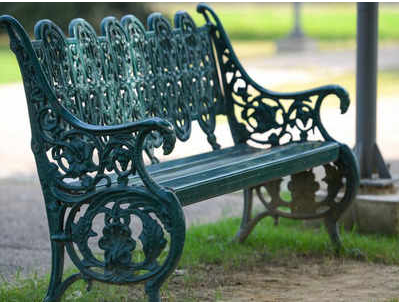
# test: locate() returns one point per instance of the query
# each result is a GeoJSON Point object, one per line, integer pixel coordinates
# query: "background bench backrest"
{"type": "Point", "coordinates": [129, 73]}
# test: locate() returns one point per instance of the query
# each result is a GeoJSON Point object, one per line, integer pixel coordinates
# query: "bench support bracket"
{"type": "Point", "coordinates": [123, 235]}
{"type": "Point", "coordinates": [303, 204]}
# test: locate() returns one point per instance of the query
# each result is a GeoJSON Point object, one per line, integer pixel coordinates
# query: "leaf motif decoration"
{"type": "Point", "coordinates": [153, 239]}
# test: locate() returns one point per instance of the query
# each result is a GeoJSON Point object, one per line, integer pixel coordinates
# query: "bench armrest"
{"type": "Point", "coordinates": [129, 142]}
{"type": "Point", "coordinates": [142, 126]}
{"type": "Point", "coordinates": [123, 143]}
{"type": "Point", "coordinates": [265, 106]}
{"type": "Point", "coordinates": [260, 110]}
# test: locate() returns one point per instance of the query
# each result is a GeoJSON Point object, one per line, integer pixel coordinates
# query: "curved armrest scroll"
{"type": "Point", "coordinates": [324, 91]}
{"type": "Point", "coordinates": [143, 126]}
{"type": "Point", "coordinates": [242, 91]}
{"type": "Point", "coordinates": [321, 93]}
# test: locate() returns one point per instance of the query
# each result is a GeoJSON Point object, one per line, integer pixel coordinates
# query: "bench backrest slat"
{"type": "Point", "coordinates": [129, 73]}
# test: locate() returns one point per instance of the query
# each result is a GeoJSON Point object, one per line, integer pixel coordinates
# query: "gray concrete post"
{"type": "Point", "coordinates": [369, 156]}
{"type": "Point", "coordinates": [296, 41]}
{"type": "Point", "coordinates": [297, 32]}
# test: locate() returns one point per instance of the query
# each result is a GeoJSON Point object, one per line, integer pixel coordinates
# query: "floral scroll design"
{"type": "Point", "coordinates": [302, 188]}
{"type": "Point", "coordinates": [122, 261]}
{"type": "Point", "coordinates": [128, 73]}
{"type": "Point", "coordinates": [186, 80]}
{"type": "Point", "coordinates": [81, 161]}
{"type": "Point", "coordinates": [263, 113]}
{"type": "Point", "coordinates": [262, 116]}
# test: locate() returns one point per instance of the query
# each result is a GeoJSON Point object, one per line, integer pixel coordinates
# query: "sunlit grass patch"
{"type": "Point", "coordinates": [270, 21]}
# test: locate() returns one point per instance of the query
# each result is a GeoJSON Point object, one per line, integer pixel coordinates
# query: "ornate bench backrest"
{"type": "Point", "coordinates": [129, 73]}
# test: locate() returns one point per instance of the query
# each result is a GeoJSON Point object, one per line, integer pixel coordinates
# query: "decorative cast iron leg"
{"type": "Point", "coordinates": [153, 285]}
{"type": "Point", "coordinates": [152, 291]}
{"type": "Point", "coordinates": [57, 269]}
{"type": "Point", "coordinates": [333, 231]}
{"type": "Point", "coordinates": [348, 164]}
{"type": "Point", "coordinates": [178, 233]}
{"type": "Point", "coordinates": [243, 233]}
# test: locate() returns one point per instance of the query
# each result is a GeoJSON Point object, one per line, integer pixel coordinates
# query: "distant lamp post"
{"type": "Point", "coordinates": [297, 32]}
{"type": "Point", "coordinates": [296, 41]}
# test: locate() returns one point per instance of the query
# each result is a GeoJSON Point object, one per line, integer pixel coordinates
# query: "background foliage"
{"type": "Point", "coordinates": [28, 13]}
{"type": "Point", "coordinates": [243, 21]}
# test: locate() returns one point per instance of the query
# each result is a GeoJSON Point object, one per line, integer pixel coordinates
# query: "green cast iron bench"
{"type": "Point", "coordinates": [100, 105]}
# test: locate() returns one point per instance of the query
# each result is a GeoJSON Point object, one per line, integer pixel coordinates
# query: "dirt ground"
{"type": "Point", "coordinates": [292, 279]}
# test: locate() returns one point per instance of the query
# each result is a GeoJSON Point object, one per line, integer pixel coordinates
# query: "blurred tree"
{"type": "Point", "coordinates": [28, 13]}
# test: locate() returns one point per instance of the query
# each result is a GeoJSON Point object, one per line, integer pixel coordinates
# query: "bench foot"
{"type": "Point", "coordinates": [243, 233]}
{"type": "Point", "coordinates": [152, 291]}
{"type": "Point", "coordinates": [333, 231]}
{"type": "Point", "coordinates": [248, 223]}
{"type": "Point", "coordinates": [57, 269]}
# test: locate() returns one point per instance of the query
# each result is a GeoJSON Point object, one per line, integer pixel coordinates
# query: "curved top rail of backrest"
{"type": "Point", "coordinates": [129, 73]}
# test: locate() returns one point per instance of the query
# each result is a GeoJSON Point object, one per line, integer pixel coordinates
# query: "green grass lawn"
{"type": "Point", "coordinates": [265, 21]}
{"type": "Point", "coordinates": [254, 27]}
{"type": "Point", "coordinates": [286, 241]}
{"type": "Point", "coordinates": [9, 71]}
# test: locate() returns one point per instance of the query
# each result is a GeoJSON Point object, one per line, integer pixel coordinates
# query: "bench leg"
{"type": "Point", "coordinates": [57, 286]}
{"type": "Point", "coordinates": [57, 269]}
{"type": "Point", "coordinates": [248, 222]}
{"type": "Point", "coordinates": [55, 218]}
{"type": "Point", "coordinates": [152, 290]}
{"type": "Point", "coordinates": [333, 231]}
{"type": "Point", "coordinates": [349, 169]}
{"type": "Point", "coordinates": [177, 234]}
{"type": "Point", "coordinates": [243, 233]}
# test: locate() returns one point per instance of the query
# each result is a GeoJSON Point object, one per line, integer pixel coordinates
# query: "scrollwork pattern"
{"type": "Point", "coordinates": [125, 75]}
{"type": "Point", "coordinates": [129, 73]}
{"type": "Point", "coordinates": [262, 116]}
{"type": "Point", "coordinates": [122, 261]}
{"type": "Point", "coordinates": [302, 201]}
{"type": "Point", "coordinates": [302, 187]}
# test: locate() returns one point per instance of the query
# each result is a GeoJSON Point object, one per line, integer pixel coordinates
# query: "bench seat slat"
{"type": "Point", "coordinates": [256, 166]}
{"type": "Point", "coordinates": [207, 175]}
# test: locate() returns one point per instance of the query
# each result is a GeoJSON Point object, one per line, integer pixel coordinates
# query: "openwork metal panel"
{"type": "Point", "coordinates": [259, 115]}
{"type": "Point", "coordinates": [128, 73]}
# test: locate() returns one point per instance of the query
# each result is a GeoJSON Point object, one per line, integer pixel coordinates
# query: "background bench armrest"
{"type": "Point", "coordinates": [304, 106]}
{"type": "Point", "coordinates": [260, 109]}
